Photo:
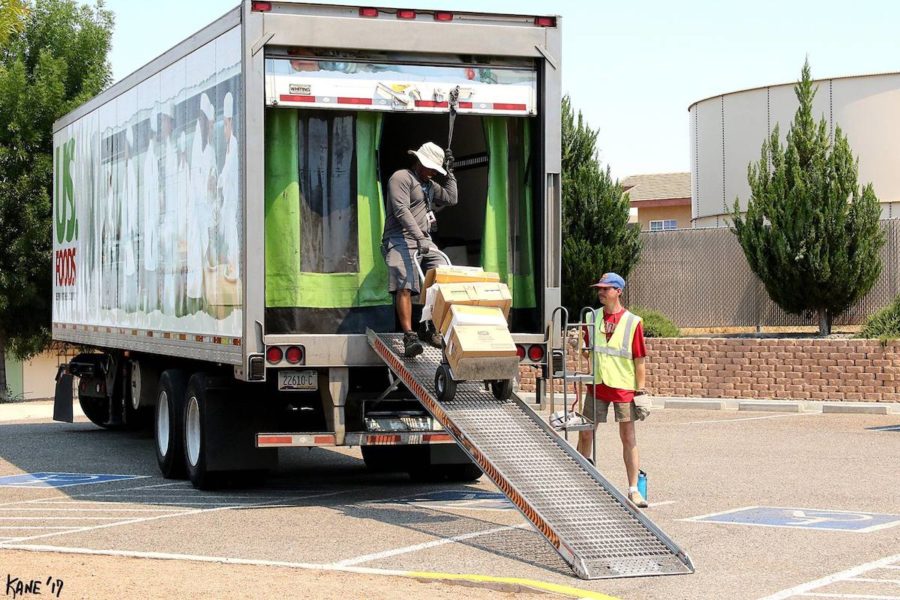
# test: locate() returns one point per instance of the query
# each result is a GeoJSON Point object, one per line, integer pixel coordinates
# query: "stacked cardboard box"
{"type": "Point", "coordinates": [470, 308]}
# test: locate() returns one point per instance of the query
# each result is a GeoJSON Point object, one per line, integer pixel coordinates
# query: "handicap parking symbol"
{"type": "Point", "coordinates": [803, 518]}
{"type": "Point", "coordinates": [60, 480]}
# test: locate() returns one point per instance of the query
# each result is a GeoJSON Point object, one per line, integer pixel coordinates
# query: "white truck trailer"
{"type": "Point", "coordinates": [218, 217]}
{"type": "Point", "coordinates": [217, 229]}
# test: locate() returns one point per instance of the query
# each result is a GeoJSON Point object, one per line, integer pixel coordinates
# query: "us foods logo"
{"type": "Point", "coordinates": [64, 211]}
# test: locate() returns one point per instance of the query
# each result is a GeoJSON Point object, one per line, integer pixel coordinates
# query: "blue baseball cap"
{"type": "Point", "coordinates": [612, 280]}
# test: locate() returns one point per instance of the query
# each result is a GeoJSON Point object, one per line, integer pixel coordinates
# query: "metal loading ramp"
{"type": "Point", "coordinates": [590, 523]}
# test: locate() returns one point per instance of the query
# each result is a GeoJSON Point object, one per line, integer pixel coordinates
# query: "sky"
{"type": "Point", "coordinates": [632, 68]}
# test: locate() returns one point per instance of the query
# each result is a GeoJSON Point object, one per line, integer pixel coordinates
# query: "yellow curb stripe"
{"type": "Point", "coordinates": [531, 583]}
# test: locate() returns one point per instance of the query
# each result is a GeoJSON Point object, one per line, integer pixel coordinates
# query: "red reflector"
{"type": "Point", "coordinates": [295, 98]}
{"type": "Point", "coordinates": [343, 100]}
{"type": "Point", "coordinates": [536, 353]}
{"type": "Point", "coordinates": [545, 21]}
{"type": "Point", "coordinates": [368, 12]}
{"type": "Point", "coordinates": [274, 354]}
{"type": "Point", "coordinates": [406, 14]}
{"type": "Point", "coordinates": [443, 16]}
{"type": "Point", "coordinates": [275, 439]}
{"type": "Point", "coordinates": [294, 355]}
{"type": "Point", "coordinates": [520, 351]}
{"type": "Point", "coordinates": [261, 6]}
{"type": "Point", "coordinates": [502, 106]}
{"type": "Point", "coordinates": [431, 104]}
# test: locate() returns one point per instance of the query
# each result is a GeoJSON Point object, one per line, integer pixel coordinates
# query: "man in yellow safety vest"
{"type": "Point", "coordinates": [616, 344]}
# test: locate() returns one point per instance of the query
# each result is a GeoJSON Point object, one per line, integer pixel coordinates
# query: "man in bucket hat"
{"type": "Point", "coordinates": [412, 199]}
{"type": "Point", "coordinates": [616, 346]}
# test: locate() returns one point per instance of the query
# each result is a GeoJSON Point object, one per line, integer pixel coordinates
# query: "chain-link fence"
{"type": "Point", "coordinates": [700, 278]}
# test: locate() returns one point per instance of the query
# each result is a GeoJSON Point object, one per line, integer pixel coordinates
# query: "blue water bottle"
{"type": "Point", "coordinates": [642, 485]}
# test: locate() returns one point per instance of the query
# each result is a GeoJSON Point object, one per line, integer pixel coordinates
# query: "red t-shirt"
{"type": "Point", "coordinates": [638, 350]}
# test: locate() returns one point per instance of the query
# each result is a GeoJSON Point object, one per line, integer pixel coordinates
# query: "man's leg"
{"type": "Point", "coordinates": [585, 443]}
{"type": "Point", "coordinates": [630, 452]}
{"type": "Point", "coordinates": [403, 303]}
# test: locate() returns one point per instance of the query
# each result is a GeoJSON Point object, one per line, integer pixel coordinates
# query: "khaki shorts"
{"type": "Point", "coordinates": [625, 411]}
{"type": "Point", "coordinates": [402, 273]}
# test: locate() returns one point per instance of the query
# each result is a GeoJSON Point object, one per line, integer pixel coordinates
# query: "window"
{"type": "Point", "coordinates": [666, 225]}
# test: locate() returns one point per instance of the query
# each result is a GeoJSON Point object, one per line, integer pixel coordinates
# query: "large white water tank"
{"type": "Point", "coordinates": [727, 133]}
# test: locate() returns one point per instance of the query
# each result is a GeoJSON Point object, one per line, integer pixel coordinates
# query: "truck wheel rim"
{"type": "Point", "coordinates": [192, 429]}
{"type": "Point", "coordinates": [162, 424]}
{"type": "Point", "coordinates": [135, 385]}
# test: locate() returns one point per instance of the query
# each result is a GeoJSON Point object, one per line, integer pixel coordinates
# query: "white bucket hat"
{"type": "Point", "coordinates": [431, 156]}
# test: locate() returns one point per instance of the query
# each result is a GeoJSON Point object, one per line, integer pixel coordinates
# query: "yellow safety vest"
{"type": "Point", "coordinates": [613, 360]}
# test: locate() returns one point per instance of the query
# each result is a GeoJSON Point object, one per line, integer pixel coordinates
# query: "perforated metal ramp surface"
{"type": "Point", "coordinates": [592, 526]}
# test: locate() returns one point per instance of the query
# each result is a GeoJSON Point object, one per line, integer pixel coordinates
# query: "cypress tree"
{"type": "Point", "coordinates": [811, 233]}
{"type": "Point", "coordinates": [596, 235]}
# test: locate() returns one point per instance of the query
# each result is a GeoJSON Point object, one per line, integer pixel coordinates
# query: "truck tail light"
{"type": "Point", "coordinates": [369, 13]}
{"type": "Point", "coordinates": [443, 16]}
{"type": "Point", "coordinates": [545, 21]}
{"type": "Point", "coordinates": [536, 353]}
{"type": "Point", "coordinates": [406, 14]}
{"type": "Point", "coordinates": [294, 355]}
{"type": "Point", "coordinates": [261, 6]}
{"type": "Point", "coordinates": [520, 351]}
{"type": "Point", "coordinates": [274, 354]}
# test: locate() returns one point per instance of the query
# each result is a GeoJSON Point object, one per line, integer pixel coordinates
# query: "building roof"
{"type": "Point", "coordinates": [658, 186]}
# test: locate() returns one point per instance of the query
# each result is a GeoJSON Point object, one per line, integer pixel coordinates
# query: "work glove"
{"type": "Point", "coordinates": [642, 403]}
{"type": "Point", "coordinates": [425, 246]}
{"type": "Point", "coordinates": [448, 160]}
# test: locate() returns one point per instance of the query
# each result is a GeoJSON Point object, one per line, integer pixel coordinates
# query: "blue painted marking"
{"type": "Point", "coordinates": [60, 480]}
{"type": "Point", "coordinates": [804, 518]}
{"type": "Point", "coordinates": [459, 499]}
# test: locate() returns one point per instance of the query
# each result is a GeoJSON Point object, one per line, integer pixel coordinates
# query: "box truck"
{"type": "Point", "coordinates": [218, 217]}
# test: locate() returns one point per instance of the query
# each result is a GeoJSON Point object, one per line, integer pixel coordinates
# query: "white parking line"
{"type": "Point", "coordinates": [807, 589]}
{"type": "Point", "coordinates": [111, 509]}
{"type": "Point", "coordinates": [23, 527]}
{"type": "Point", "coordinates": [425, 545]}
{"type": "Point", "coordinates": [749, 418]}
{"type": "Point", "coordinates": [169, 515]}
{"type": "Point", "coordinates": [59, 518]}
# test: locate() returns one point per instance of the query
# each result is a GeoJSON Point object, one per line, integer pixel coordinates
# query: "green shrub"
{"type": "Point", "coordinates": [885, 324]}
{"type": "Point", "coordinates": [656, 324]}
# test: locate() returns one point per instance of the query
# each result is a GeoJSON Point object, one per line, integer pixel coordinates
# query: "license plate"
{"type": "Point", "coordinates": [300, 381]}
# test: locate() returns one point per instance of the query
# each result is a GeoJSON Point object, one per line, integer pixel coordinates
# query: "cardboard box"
{"type": "Point", "coordinates": [479, 341]}
{"type": "Point", "coordinates": [473, 294]}
{"type": "Point", "coordinates": [463, 314]}
{"type": "Point", "coordinates": [450, 274]}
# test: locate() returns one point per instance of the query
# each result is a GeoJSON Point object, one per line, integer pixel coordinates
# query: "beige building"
{"type": "Point", "coordinates": [661, 201]}
{"type": "Point", "coordinates": [35, 378]}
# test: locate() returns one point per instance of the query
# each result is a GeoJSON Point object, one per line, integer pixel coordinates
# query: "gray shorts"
{"type": "Point", "coordinates": [402, 274]}
{"type": "Point", "coordinates": [624, 411]}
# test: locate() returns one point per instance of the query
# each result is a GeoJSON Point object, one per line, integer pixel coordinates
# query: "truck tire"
{"type": "Point", "coordinates": [169, 424]}
{"type": "Point", "coordinates": [96, 409]}
{"type": "Point", "coordinates": [196, 401]}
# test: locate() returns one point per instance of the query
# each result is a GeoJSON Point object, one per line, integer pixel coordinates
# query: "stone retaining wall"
{"type": "Point", "coordinates": [790, 369]}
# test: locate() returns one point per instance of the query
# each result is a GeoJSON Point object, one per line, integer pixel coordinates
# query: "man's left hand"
{"type": "Point", "coordinates": [448, 160]}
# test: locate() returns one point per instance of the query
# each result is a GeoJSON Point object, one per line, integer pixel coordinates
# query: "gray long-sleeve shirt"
{"type": "Point", "coordinates": [407, 205]}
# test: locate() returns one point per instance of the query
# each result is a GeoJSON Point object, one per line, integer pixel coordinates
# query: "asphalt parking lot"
{"type": "Point", "coordinates": [768, 505]}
